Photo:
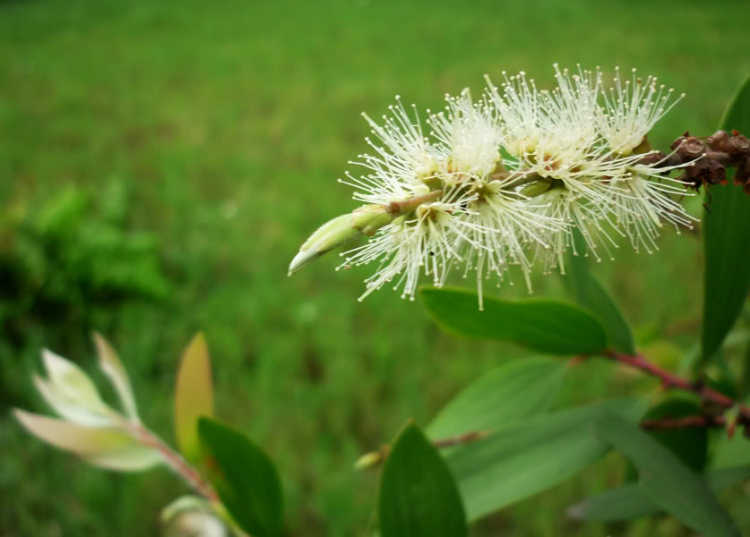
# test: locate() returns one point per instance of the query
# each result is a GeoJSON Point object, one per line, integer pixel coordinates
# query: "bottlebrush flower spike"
{"type": "Point", "coordinates": [505, 180]}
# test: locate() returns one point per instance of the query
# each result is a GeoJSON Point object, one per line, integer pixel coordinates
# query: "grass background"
{"type": "Point", "coordinates": [224, 126]}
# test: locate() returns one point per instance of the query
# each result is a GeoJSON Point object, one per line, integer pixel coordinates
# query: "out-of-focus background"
{"type": "Point", "coordinates": [160, 164]}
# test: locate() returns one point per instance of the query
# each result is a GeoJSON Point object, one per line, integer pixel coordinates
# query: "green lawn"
{"type": "Point", "coordinates": [227, 124]}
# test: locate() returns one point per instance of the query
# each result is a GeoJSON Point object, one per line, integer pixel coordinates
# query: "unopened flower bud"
{"type": "Point", "coordinates": [369, 460]}
{"type": "Point", "coordinates": [537, 188]}
{"type": "Point", "coordinates": [334, 233]}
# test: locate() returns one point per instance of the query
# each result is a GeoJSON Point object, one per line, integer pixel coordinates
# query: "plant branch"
{"type": "Point", "coordinates": [671, 381]}
{"type": "Point", "coordinates": [376, 458]}
{"type": "Point", "coordinates": [459, 439]}
{"type": "Point", "coordinates": [685, 422]}
{"type": "Point", "coordinates": [175, 461]}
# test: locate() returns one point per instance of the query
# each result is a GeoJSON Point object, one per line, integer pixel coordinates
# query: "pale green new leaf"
{"type": "Point", "coordinates": [71, 408]}
{"type": "Point", "coordinates": [108, 447]}
{"type": "Point", "coordinates": [71, 392]}
{"type": "Point", "coordinates": [112, 366]}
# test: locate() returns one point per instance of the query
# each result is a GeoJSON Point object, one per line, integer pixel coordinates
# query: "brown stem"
{"type": "Point", "coordinates": [376, 458]}
{"type": "Point", "coordinates": [670, 380]}
{"type": "Point", "coordinates": [398, 208]}
{"type": "Point", "coordinates": [685, 422]}
{"type": "Point", "coordinates": [459, 439]}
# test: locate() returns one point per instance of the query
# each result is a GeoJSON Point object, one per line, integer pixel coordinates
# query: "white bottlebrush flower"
{"type": "Point", "coordinates": [426, 242]}
{"type": "Point", "coordinates": [570, 207]}
{"type": "Point", "coordinates": [631, 108]}
{"type": "Point", "coordinates": [400, 166]}
{"type": "Point", "coordinates": [506, 180]}
{"type": "Point", "coordinates": [503, 220]}
{"type": "Point", "coordinates": [643, 201]}
{"type": "Point", "coordinates": [469, 139]}
{"type": "Point", "coordinates": [517, 108]}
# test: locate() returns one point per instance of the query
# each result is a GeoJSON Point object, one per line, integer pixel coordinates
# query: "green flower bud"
{"type": "Point", "coordinates": [536, 188]}
{"type": "Point", "coordinates": [342, 229]}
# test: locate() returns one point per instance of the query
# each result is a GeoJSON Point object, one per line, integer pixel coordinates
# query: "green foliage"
{"type": "Point", "coordinates": [589, 293]}
{"type": "Point", "coordinates": [244, 477]}
{"type": "Point", "coordinates": [197, 117]}
{"type": "Point", "coordinates": [665, 480]}
{"type": "Point", "coordinates": [418, 495]}
{"type": "Point", "coordinates": [689, 444]}
{"type": "Point", "coordinates": [529, 456]}
{"type": "Point", "coordinates": [66, 260]}
{"type": "Point", "coordinates": [726, 242]}
{"type": "Point", "coordinates": [629, 501]}
{"type": "Point", "coordinates": [519, 390]}
{"type": "Point", "coordinates": [545, 325]}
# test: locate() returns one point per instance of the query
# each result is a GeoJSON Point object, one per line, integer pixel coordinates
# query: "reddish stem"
{"type": "Point", "coordinates": [686, 422]}
{"type": "Point", "coordinates": [175, 461]}
{"type": "Point", "coordinates": [460, 439]}
{"type": "Point", "coordinates": [670, 380]}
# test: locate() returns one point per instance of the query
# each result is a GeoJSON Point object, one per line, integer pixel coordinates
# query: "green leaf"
{"type": "Point", "coordinates": [194, 396]}
{"type": "Point", "coordinates": [523, 388]}
{"type": "Point", "coordinates": [244, 477]}
{"type": "Point", "coordinates": [690, 444]}
{"type": "Point", "coordinates": [629, 501]}
{"type": "Point", "coordinates": [726, 242]}
{"type": "Point", "coordinates": [665, 480]}
{"type": "Point", "coordinates": [545, 325]}
{"type": "Point", "coordinates": [730, 452]}
{"type": "Point", "coordinates": [418, 495]}
{"type": "Point", "coordinates": [527, 457]}
{"type": "Point", "coordinates": [589, 293]}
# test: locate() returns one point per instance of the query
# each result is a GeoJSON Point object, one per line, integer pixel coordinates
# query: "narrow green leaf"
{"type": "Point", "coordinates": [529, 456]}
{"type": "Point", "coordinates": [726, 242]}
{"type": "Point", "coordinates": [629, 501]}
{"type": "Point", "coordinates": [524, 388]}
{"type": "Point", "coordinates": [665, 480]}
{"type": "Point", "coordinates": [418, 495]}
{"type": "Point", "coordinates": [689, 444]}
{"type": "Point", "coordinates": [589, 293]}
{"type": "Point", "coordinates": [244, 477]}
{"type": "Point", "coordinates": [194, 396]}
{"type": "Point", "coordinates": [545, 325]}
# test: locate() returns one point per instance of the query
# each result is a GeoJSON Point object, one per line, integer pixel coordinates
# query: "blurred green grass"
{"type": "Point", "coordinates": [228, 123]}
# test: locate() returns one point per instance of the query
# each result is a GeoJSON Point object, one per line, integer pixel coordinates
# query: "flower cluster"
{"type": "Point", "coordinates": [505, 181]}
